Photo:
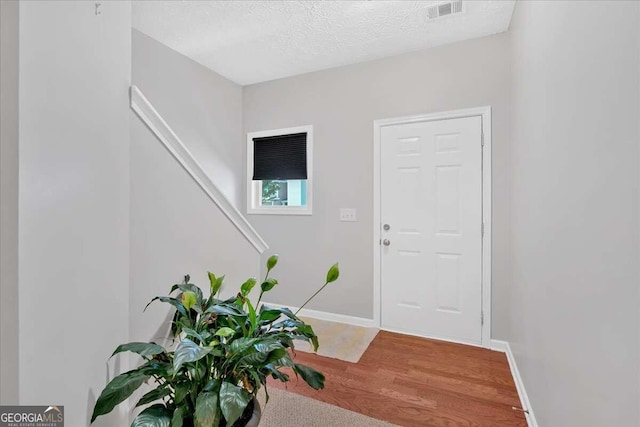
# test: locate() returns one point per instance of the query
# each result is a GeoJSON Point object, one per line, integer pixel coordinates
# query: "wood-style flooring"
{"type": "Point", "coordinates": [411, 381]}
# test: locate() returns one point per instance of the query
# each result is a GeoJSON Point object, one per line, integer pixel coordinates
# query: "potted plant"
{"type": "Point", "coordinates": [223, 353]}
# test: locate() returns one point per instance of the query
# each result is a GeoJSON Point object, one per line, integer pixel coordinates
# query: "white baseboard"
{"type": "Point", "coordinates": [498, 345]}
{"type": "Point", "coordinates": [331, 317]}
{"type": "Point", "coordinates": [504, 347]}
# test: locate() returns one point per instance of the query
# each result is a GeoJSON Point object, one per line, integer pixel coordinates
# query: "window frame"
{"type": "Point", "coordinates": [254, 188]}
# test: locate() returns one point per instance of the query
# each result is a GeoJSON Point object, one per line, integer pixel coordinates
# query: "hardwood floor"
{"type": "Point", "coordinates": [412, 381]}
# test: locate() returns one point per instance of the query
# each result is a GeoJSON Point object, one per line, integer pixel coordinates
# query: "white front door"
{"type": "Point", "coordinates": [431, 228]}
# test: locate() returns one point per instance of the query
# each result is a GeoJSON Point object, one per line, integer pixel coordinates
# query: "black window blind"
{"type": "Point", "coordinates": [280, 157]}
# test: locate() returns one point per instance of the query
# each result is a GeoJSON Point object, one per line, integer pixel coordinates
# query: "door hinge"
{"type": "Point", "coordinates": [482, 318]}
{"type": "Point", "coordinates": [482, 229]}
{"type": "Point", "coordinates": [482, 139]}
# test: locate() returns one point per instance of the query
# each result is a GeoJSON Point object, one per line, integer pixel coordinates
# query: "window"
{"type": "Point", "coordinates": [279, 171]}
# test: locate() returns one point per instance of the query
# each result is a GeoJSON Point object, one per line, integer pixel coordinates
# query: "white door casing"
{"type": "Point", "coordinates": [433, 277]}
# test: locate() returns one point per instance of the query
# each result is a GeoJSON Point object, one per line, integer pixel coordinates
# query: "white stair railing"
{"type": "Point", "coordinates": [165, 134]}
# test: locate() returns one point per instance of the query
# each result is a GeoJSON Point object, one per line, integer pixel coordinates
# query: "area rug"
{"type": "Point", "coordinates": [339, 340]}
{"type": "Point", "coordinates": [287, 409]}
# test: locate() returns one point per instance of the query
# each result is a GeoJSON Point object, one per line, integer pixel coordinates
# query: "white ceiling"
{"type": "Point", "coordinates": [255, 41]}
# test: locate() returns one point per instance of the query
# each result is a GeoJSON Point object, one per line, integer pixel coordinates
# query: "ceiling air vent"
{"type": "Point", "coordinates": [444, 8]}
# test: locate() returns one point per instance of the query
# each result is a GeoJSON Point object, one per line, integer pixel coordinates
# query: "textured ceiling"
{"type": "Point", "coordinates": [254, 41]}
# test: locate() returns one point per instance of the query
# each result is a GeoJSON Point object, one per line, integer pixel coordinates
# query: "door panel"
{"type": "Point", "coordinates": [431, 198]}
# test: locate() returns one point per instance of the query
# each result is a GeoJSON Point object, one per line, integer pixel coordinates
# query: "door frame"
{"type": "Point", "coordinates": [485, 114]}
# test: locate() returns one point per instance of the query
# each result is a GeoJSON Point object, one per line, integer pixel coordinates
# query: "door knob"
{"type": "Point", "coordinates": [386, 242]}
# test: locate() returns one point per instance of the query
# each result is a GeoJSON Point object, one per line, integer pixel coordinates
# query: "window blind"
{"type": "Point", "coordinates": [280, 157]}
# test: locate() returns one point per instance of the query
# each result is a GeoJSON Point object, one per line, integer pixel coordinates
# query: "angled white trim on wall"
{"type": "Point", "coordinates": [170, 140]}
{"type": "Point", "coordinates": [485, 114]}
{"type": "Point", "coordinates": [504, 347]}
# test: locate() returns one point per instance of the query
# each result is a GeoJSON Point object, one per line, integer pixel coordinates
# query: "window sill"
{"type": "Point", "coordinates": [279, 211]}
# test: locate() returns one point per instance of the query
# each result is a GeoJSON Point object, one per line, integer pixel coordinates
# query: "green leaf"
{"type": "Point", "coordinates": [225, 332]}
{"type": "Point", "coordinates": [213, 385]}
{"type": "Point", "coordinates": [268, 284]}
{"type": "Point", "coordinates": [197, 371]}
{"type": "Point", "coordinates": [241, 344]}
{"type": "Point", "coordinates": [247, 286]}
{"type": "Point", "coordinates": [267, 346]}
{"type": "Point", "coordinates": [191, 333]}
{"type": "Point", "coordinates": [288, 323]}
{"type": "Point", "coordinates": [276, 355]}
{"type": "Point", "coordinates": [154, 395]}
{"type": "Point", "coordinates": [188, 351]}
{"type": "Point", "coordinates": [183, 322]}
{"type": "Point", "coordinates": [188, 299]}
{"type": "Point", "coordinates": [286, 340]}
{"type": "Point", "coordinates": [307, 331]}
{"type": "Point", "coordinates": [265, 350]}
{"type": "Point", "coordinates": [271, 262]}
{"type": "Point", "coordinates": [265, 353]}
{"type": "Point", "coordinates": [233, 401]}
{"type": "Point", "coordinates": [155, 367]}
{"type": "Point", "coordinates": [207, 410]}
{"type": "Point", "coordinates": [153, 416]}
{"type": "Point", "coordinates": [175, 327]}
{"type": "Point", "coordinates": [174, 302]}
{"type": "Point", "coordinates": [333, 273]}
{"type": "Point", "coordinates": [219, 281]}
{"type": "Point", "coordinates": [226, 310]}
{"type": "Point", "coordinates": [314, 342]}
{"type": "Point", "coordinates": [141, 348]}
{"type": "Point", "coordinates": [284, 361]}
{"type": "Point", "coordinates": [312, 377]}
{"type": "Point", "coordinates": [252, 315]}
{"type": "Point", "coordinates": [212, 282]}
{"type": "Point", "coordinates": [267, 316]}
{"type": "Point", "coordinates": [216, 283]}
{"type": "Point", "coordinates": [178, 416]}
{"type": "Point", "coordinates": [253, 359]}
{"type": "Point", "coordinates": [182, 390]}
{"type": "Point", "coordinates": [287, 312]}
{"type": "Point", "coordinates": [275, 373]}
{"type": "Point", "coordinates": [118, 390]}
{"type": "Point", "coordinates": [184, 287]}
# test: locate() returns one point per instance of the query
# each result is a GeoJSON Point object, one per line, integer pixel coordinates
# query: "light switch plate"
{"type": "Point", "coordinates": [348, 214]}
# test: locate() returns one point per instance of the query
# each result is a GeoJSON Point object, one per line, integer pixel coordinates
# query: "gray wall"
{"type": "Point", "coordinates": [175, 228]}
{"type": "Point", "coordinates": [75, 70]}
{"type": "Point", "coordinates": [341, 104]}
{"type": "Point", "coordinates": [203, 108]}
{"type": "Point", "coordinates": [574, 301]}
{"type": "Point", "coordinates": [9, 15]}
